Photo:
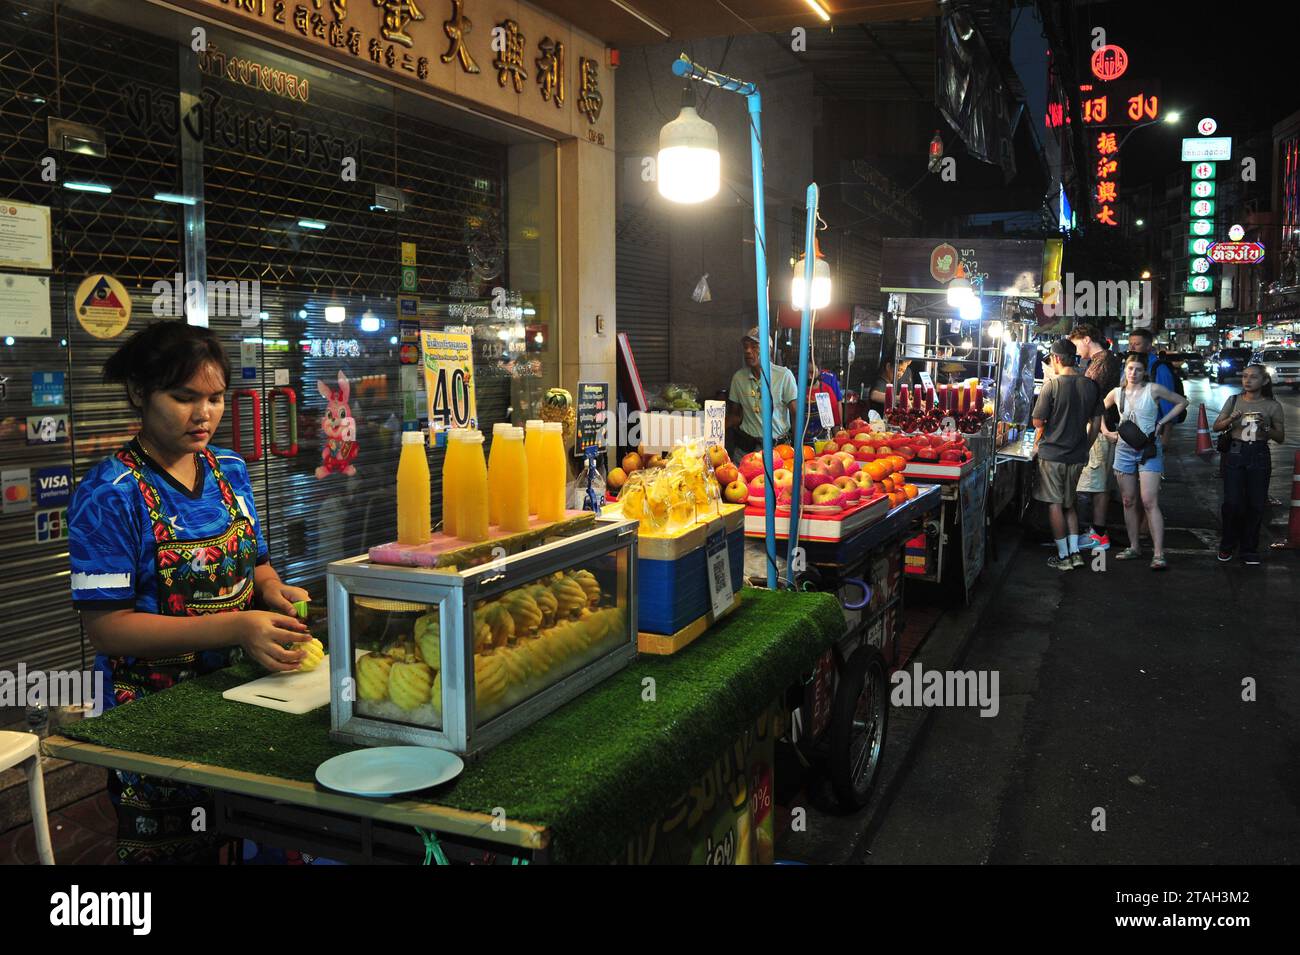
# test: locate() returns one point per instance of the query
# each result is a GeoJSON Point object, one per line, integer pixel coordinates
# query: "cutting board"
{"type": "Point", "coordinates": [287, 692]}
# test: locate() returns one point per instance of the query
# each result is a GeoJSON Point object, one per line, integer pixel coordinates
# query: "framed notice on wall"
{"type": "Point", "coordinates": [25, 236]}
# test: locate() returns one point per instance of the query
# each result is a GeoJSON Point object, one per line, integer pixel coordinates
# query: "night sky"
{"type": "Point", "coordinates": [1236, 62]}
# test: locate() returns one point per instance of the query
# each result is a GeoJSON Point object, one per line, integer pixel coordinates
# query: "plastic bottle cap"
{"type": "Point", "coordinates": [552, 426]}
{"type": "Point", "coordinates": [473, 437]}
{"type": "Point", "coordinates": [501, 427]}
{"type": "Point", "coordinates": [534, 424]}
{"type": "Point", "coordinates": [414, 437]}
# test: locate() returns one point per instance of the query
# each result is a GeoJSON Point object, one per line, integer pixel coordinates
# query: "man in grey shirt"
{"type": "Point", "coordinates": [1068, 419]}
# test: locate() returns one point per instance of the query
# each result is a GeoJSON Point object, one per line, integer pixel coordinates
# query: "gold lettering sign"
{"type": "Point", "coordinates": [388, 36]}
{"type": "Point", "coordinates": [550, 70]}
{"type": "Point", "coordinates": [590, 102]}
{"type": "Point", "coordinates": [510, 59]}
{"type": "Point", "coordinates": [457, 28]}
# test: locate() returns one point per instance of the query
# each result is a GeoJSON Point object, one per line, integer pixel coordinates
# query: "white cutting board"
{"type": "Point", "coordinates": [291, 692]}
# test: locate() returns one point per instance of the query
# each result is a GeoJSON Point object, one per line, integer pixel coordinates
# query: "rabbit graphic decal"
{"type": "Point", "coordinates": [339, 429]}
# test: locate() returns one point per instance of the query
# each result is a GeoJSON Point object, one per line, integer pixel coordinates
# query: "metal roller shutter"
{"type": "Point", "coordinates": [641, 297]}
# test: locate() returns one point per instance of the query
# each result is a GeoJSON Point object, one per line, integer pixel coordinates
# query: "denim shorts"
{"type": "Point", "coordinates": [1128, 461]}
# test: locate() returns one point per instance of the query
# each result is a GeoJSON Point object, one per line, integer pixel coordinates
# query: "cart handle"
{"type": "Point", "coordinates": [237, 438]}
{"type": "Point", "coordinates": [291, 398]}
{"type": "Point", "coordinates": [866, 593]}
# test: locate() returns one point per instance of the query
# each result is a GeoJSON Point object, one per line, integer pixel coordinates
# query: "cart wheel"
{"type": "Point", "coordinates": [859, 718]}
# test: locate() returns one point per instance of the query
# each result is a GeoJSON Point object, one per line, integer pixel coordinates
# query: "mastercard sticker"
{"type": "Point", "coordinates": [16, 490]}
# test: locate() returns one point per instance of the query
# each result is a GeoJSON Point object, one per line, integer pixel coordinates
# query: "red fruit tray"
{"type": "Point", "coordinates": [827, 528]}
{"type": "Point", "coordinates": [937, 470]}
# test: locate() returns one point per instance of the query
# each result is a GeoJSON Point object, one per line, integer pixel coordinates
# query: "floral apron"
{"type": "Point", "coordinates": [157, 820]}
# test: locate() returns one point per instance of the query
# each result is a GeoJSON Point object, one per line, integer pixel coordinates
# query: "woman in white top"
{"type": "Point", "coordinates": [1138, 401]}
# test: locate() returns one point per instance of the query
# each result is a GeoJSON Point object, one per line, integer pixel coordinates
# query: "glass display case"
{"type": "Point", "coordinates": [463, 659]}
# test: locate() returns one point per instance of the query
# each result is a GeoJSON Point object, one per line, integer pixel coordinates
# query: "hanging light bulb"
{"type": "Point", "coordinates": [995, 329]}
{"type": "Point", "coordinates": [959, 290]}
{"type": "Point", "coordinates": [689, 165]}
{"type": "Point", "coordinates": [971, 309]}
{"type": "Point", "coordinates": [821, 283]}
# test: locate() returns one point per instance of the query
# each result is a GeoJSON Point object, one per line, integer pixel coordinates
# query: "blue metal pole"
{"type": "Point", "coordinates": [801, 382]}
{"type": "Point", "coordinates": [683, 67]}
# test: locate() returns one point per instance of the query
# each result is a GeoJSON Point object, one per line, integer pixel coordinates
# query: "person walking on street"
{"type": "Point", "coordinates": [1068, 416]}
{"type": "Point", "coordinates": [1098, 479]}
{"type": "Point", "coordinates": [1139, 453]}
{"type": "Point", "coordinates": [1252, 418]}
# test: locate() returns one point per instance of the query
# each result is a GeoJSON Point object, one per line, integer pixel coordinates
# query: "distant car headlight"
{"type": "Point", "coordinates": [1272, 372]}
{"type": "Point", "coordinates": [1225, 364]}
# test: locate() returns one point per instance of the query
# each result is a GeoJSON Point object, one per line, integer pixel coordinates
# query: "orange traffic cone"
{"type": "Point", "coordinates": [1292, 541]}
{"type": "Point", "coordinates": [1203, 444]}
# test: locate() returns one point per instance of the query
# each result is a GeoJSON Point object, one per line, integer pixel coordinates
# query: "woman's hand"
{"type": "Point", "coordinates": [275, 594]}
{"type": "Point", "coordinates": [263, 634]}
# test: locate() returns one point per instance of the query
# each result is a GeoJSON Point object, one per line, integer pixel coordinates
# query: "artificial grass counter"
{"type": "Point", "coordinates": [592, 772]}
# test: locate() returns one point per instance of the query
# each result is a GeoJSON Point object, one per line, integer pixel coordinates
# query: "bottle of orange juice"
{"type": "Point", "coordinates": [533, 449]}
{"type": "Point", "coordinates": [472, 490]}
{"type": "Point", "coordinates": [413, 490]}
{"type": "Point", "coordinates": [498, 482]}
{"type": "Point", "coordinates": [555, 473]}
{"type": "Point", "coordinates": [514, 481]}
{"type": "Point", "coordinates": [450, 476]}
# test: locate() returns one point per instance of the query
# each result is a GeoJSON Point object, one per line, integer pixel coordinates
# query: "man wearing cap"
{"type": "Point", "coordinates": [1068, 418]}
{"type": "Point", "coordinates": [745, 401]}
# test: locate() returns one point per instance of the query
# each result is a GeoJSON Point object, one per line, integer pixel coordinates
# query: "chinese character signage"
{"type": "Point", "coordinates": [502, 55]}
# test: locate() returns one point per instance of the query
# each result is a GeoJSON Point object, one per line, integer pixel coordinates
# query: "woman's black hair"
{"type": "Point", "coordinates": [1267, 390]}
{"type": "Point", "coordinates": [165, 355]}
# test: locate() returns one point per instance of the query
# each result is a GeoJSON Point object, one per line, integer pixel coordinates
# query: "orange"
{"type": "Point", "coordinates": [911, 490]}
{"type": "Point", "coordinates": [899, 462]}
{"type": "Point", "coordinates": [783, 451]}
{"type": "Point", "coordinates": [897, 498]}
{"type": "Point", "coordinates": [808, 453]}
{"type": "Point", "coordinates": [876, 470]}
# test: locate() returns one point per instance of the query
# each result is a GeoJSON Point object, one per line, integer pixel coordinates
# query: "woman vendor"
{"type": "Point", "coordinates": [168, 564]}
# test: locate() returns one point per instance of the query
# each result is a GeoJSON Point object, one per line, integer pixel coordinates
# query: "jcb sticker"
{"type": "Point", "coordinates": [51, 525]}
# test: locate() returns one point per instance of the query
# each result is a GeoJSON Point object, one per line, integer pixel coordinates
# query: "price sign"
{"type": "Point", "coordinates": [449, 378]}
{"type": "Point", "coordinates": [824, 411]}
{"type": "Point", "coordinates": [592, 413]}
{"type": "Point", "coordinates": [715, 422]}
{"type": "Point", "coordinates": [720, 592]}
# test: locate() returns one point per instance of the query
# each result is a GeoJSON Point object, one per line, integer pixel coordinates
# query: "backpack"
{"type": "Point", "coordinates": [1177, 388]}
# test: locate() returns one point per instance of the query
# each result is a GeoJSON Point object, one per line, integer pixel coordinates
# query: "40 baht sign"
{"type": "Point", "coordinates": [448, 360]}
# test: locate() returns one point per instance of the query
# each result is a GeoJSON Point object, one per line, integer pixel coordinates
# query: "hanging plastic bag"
{"type": "Point", "coordinates": [701, 293]}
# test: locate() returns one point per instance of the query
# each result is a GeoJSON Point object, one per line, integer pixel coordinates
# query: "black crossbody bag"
{"type": "Point", "coordinates": [1224, 444]}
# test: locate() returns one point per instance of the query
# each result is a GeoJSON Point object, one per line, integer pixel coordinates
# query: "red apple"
{"type": "Point", "coordinates": [835, 468]}
{"type": "Point", "coordinates": [757, 485]}
{"type": "Point", "coordinates": [718, 456]}
{"type": "Point", "coordinates": [727, 473]}
{"type": "Point", "coordinates": [852, 467]}
{"type": "Point", "coordinates": [736, 491]}
{"type": "Point", "coordinates": [830, 447]}
{"type": "Point", "coordinates": [782, 478]}
{"type": "Point", "coordinates": [841, 436]}
{"type": "Point", "coordinates": [751, 466]}
{"type": "Point", "coordinates": [862, 479]}
{"type": "Point", "coordinates": [844, 457]}
{"type": "Point", "coordinates": [815, 479]}
{"type": "Point", "coordinates": [846, 448]}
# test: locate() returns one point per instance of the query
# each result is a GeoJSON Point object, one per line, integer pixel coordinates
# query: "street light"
{"type": "Point", "coordinates": [1140, 223]}
{"type": "Point", "coordinates": [1146, 273]}
{"type": "Point", "coordinates": [1173, 117]}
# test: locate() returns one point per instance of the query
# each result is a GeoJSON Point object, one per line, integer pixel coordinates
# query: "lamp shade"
{"type": "Point", "coordinates": [689, 165]}
{"type": "Point", "coordinates": [821, 283]}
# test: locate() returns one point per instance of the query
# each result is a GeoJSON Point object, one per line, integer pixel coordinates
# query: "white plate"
{"type": "Point", "coordinates": [388, 770]}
